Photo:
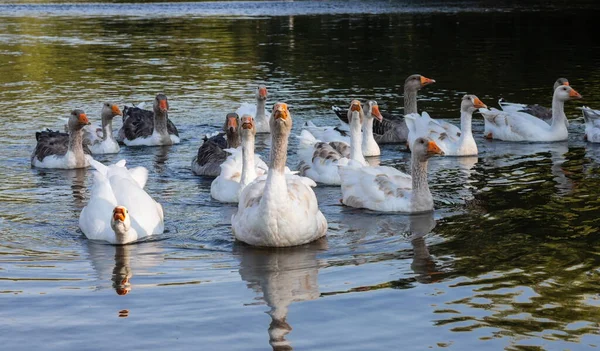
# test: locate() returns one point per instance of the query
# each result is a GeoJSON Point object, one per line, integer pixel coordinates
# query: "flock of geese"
{"type": "Point", "coordinates": [277, 206]}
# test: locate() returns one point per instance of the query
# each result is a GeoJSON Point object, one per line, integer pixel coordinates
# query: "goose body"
{"type": "Point", "coordinates": [386, 189]}
{"type": "Point", "coordinates": [257, 110]}
{"type": "Point", "coordinates": [100, 139]}
{"type": "Point", "coordinates": [149, 128]}
{"type": "Point", "coordinates": [119, 210]}
{"type": "Point", "coordinates": [392, 129]}
{"type": "Point", "coordinates": [211, 154]}
{"type": "Point", "coordinates": [279, 209]}
{"type": "Point", "coordinates": [521, 126]}
{"type": "Point", "coordinates": [592, 124]}
{"type": "Point", "coordinates": [453, 141]}
{"type": "Point", "coordinates": [319, 160]}
{"type": "Point", "coordinates": [63, 150]}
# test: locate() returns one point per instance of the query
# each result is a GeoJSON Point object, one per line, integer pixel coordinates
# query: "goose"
{"type": "Point", "coordinates": [319, 160]}
{"type": "Point", "coordinates": [392, 129]}
{"type": "Point", "coordinates": [212, 151]}
{"type": "Point", "coordinates": [335, 134]}
{"type": "Point", "coordinates": [240, 168]}
{"type": "Point", "coordinates": [452, 140]}
{"type": "Point", "coordinates": [257, 111]}
{"type": "Point", "coordinates": [63, 150]}
{"type": "Point", "coordinates": [521, 126]}
{"type": "Point", "coordinates": [119, 210]}
{"type": "Point", "coordinates": [386, 189]}
{"type": "Point", "coordinates": [536, 110]}
{"type": "Point", "coordinates": [279, 209]}
{"type": "Point", "coordinates": [100, 139]}
{"type": "Point", "coordinates": [592, 124]}
{"type": "Point", "coordinates": [149, 128]}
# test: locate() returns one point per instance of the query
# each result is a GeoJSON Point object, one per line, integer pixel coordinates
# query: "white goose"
{"type": "Point", "coordinates": [521, 126]}
{"type": "Point", "coordinates": [319, 160]}
{"type": "Point", "coordinates": [592, 124]}
{"type": "Point", "coordinates": [240, 168]}
{"type": "Point", "coordinates": [101, 139]}
{"type": "Point", "coordinates": [63, 150]}
{"type": "Point", "coordinates": [452, 140]}
{"type": "Point", "coordinates": [386, 189]}
{"type": "Point", "coordinates": [257, 111]}
{"type": "Point", "coordinates": [119, 210]}
{"type": "Point", "coordinates": [332, 134]}
{"type": "Point", "coordinates": [279, 209]}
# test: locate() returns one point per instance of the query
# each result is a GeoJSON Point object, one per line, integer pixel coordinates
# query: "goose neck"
{"type": "Point", "coordinates": [248, 169]}
{"type": "Point", "coordinates": [260, 109]}
{"type": "Point", "coordinates": [76, 145]}
{"type": "Point", "coordinates": [558, 114]}
{"type": "Point", "coordinates": [466, 126]}
{"type": "Point", "coordinates": [356, 139]}
{"type": "Point", "coordinates": [107, 132]}
{"type": "Point", "coordinates": [420, 187]}
{"type": "Point", "coordinates": [160, 122]}
{"type": "Point", "coordinates": [410, 100]}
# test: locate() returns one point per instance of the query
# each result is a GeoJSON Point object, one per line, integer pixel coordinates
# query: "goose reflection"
{"type": "Point", "coordinates": [116, 263]}
{"type": "Point", "coordinates": [283, 276]}
{"type": "Point", "coordinates": [422, 264]}
{"type": "Point", "coordinates": [161, 157]}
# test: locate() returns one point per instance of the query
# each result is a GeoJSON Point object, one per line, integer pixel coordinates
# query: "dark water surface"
{"type": "Point", "coordinates": [510, 258]}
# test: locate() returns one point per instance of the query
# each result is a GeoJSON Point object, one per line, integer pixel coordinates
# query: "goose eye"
{"type": "Point", "coordinates": [422, 141]}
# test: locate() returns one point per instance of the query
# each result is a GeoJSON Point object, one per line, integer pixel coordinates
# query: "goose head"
{"type": "Point", "coordinates": [424, 148]}
{"type": "Point", "coordinates": [120, 222]}
{"type": "Point", "coordinates": [77, 120]}
{"type": "Point", "coordinates": [471, 103]}
{"type": "Point", "coordinates": [232, 123]}
{"type": "Point", "coordinates": [109, 111]}
{"type": "Point", "coordinates": [161, 104]}
{"type": "Point", "coordinates": [561, 81]}
{"type": "Point", "coordinates": [247, 128]}
{"type": "Point", "coordinates": [281, 120]}
{"type": "Point", "coordinates": [416, 81]}
{"type": "Point", "coordinates": [373, 110]}
{"type": "Point", "coordinates": [355, 110]}
{"type": "Point", "coordinates": [566, 93]}
{"type": "Point", "coordinates": [261, 93]}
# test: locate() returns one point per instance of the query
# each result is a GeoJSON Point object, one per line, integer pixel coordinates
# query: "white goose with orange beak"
{"type": "Point", "coordinates": [521, 126]}
{"type": "Point", "coordinates": [279, 209]}
{"type": "Point", "coordinates": [386, 189]}
{"type": "Point", "coordinates": [119, 210]}
{"type": "Point", "coordinates": [333, 134]}
{"type": "Point", "coordinates": [257, 111]}
{"type": "Point", "coordinates": [452, 140]}
{"type": "Point", "coordinates": [101, 139]}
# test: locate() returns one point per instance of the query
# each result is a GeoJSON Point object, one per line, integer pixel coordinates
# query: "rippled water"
{"type": "Point", "coordinates": [508, 260]}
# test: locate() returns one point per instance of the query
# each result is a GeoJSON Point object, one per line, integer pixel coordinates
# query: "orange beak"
{"type": "Point", "coordinates": [426, 81]}
{"type": "Point", "coordinates": [119, 214]}
{"type": "Point", "coordinates": [375, 112]}
{"type": "Point", "coordinates": [433, 148]}
{"type": "Point", "coordinates": [247, 122]}
{"type": "Point", "coordinates": [355, 106]}
{"type": "Point", "coordinates": [116, 111]}
{"type": "Point", "coordinates": [281, 111]}
{"type": "Point", "coordinates": [574, 94]}
{"type": "Point", "coordinates": [262, 92]}
{"type": "Point", "coordinates": [83, 119]}
{"type": "Point", "coordinates": [478, 103]}
{"type": "Point", "coordinates": [163, 105]}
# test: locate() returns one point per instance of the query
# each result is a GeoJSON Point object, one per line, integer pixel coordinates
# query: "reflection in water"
{"type": "Point", "coordinates": [283, 276]}
{"type": "Point", "coordinates": [423, 264]}
{"type": "Point", "coordinates": [161, 156]}
{"type": "Point", "coordinates": [118, 262]}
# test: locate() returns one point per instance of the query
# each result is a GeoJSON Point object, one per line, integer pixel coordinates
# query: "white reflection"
{"type": "Point", "coordinates": [283, 276]}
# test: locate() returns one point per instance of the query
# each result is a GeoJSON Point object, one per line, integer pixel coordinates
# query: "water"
{"type": "Point", "coordinates": [508, 259]}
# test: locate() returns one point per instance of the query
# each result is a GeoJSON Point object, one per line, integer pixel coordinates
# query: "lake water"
{"type": "Point", "coordinates": [509, 259]}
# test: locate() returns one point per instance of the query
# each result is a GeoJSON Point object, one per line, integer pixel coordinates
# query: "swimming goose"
{"type": "Point", "coordinates": [392, 129]}
{"type": "Point", "coordinates": [240, 168]}
{"type": "Point", "coordinates": [329, 134]}
{"type": "Point", "coordinates": [387, 189]}
{"type": "Point", "coordinates": [101, 139]}
{"type": "Point", "coordinates": [535, 109]}
{"type": "Point", "coordinates": [452, 140]}
{"type": "Point", "coordinates": [119, 210]}
{"type": "Point", "coordinates": [319, 160]}
{"type": "Point", "coordinates": [592, 124]}
{"type": "Point", "coordinates": [63, 150]}
{"type": "Point", "coordinates": [521, 126]}
{"type": "Point", "coordinates": [279, 209]}
{"type": "Point", "coordinates": [257, 111]}
{"type": "Point", "coordinates": [212, 151]}
{"type": "Point", "coordinates": [149, 128]}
